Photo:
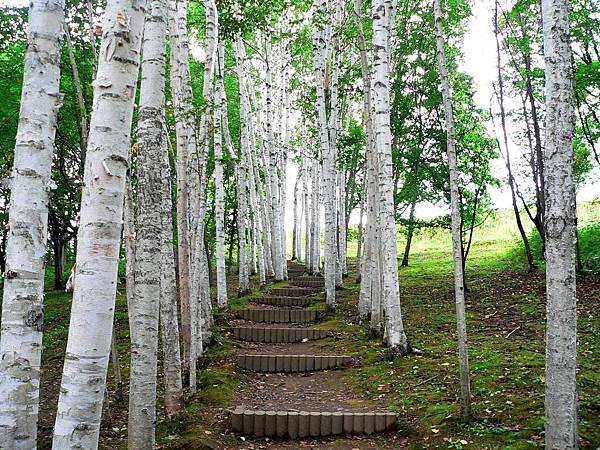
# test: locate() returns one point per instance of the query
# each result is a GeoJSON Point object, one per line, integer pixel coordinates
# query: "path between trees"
{"type": "Point", "coordinates": [291, 403]}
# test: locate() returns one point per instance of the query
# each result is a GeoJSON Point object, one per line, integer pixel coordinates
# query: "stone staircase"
{"type": "Point", "coordinates": [262, 329]}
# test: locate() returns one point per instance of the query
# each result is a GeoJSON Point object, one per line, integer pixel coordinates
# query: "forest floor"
{"type": "Point", "coordinates": [505, 307]}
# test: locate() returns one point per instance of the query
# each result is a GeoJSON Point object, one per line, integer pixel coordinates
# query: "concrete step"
{"type": "Point", "coordinates": [278, 315]}
{"type": "Point", "coordinates": [282, 301]}
{"type": "Point", "coordinates": [302, 424]}
{"type": "Point", "coordinates": [277, 335]}
{"type": "Point", "coordinates": [291, 363]}
{"type": "Point", "coordinates": [292, 273]}
{"type": "Point", "coordinates": [300, 282]}
{"type": "Point", "coordinates": [292, 292]}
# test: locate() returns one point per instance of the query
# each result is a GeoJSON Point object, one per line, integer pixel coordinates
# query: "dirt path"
{"type": "Point", "coordinates": [328, 390]}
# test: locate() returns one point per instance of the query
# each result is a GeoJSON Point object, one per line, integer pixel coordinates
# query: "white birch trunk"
{"type": "Point", "coordinates": [169, 323]}
{"type": "Point", "coordinates": [88, 346]}
{"type": "Point", "coordinates": [561, 231]}
{"type": "Point", "coordinates": [23, 293]}
{"type": "Point", "coordinates": [200, 259]}
{"type": "Point", "coordinates": [396, 339]}
{"type": "Point", "coordinates": [307, 214]}
{"type": "Point", "coordinates": [369, 279]}
{"type": "Point", "coordinates": [144, 306]}
{"type": "Point", "coordinates": [248, 146]}
{"type": "Point", "coordinates": [273, 170]}
{"type": "Point", "coordinates": [315, 239]}
{"type": "Point", "coordinates": [183, 133]}
{"type": "Point", "coordinates": [459, 291]}
{"type": "Point", "coordinates": [327, 151]}
{"type": "Point", "coordinates": [222, 300]}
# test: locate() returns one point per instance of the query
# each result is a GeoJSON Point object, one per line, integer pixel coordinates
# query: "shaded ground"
{"type": "Point", "coordinates": [506, 333]}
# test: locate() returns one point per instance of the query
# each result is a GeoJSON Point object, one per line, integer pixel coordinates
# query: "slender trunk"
{"type": "Point", "coordinates": [222, 299]}
{"type": "Point", "coordinates": [359, 238]}
{"type": "Point", "coordinates": [307, 215]}
{"type": "Point", "coordinates": [367, 276]}
{"type": "Point", "coordinates": [396, 338]}
{"type": "Point", "coordinates": [82, 111]}
{"type": "Point", "coordinates": [23, 293]}
{"type": "Point", "coordinates": [169, 324]}
{"type": "Point", "coordinates": [411, 232]}
{"type": "Point", "coordinates": [326, 150]}
{"type": "Point", "coordinates": [511, 180]}
{"type": "Point", "coordinates": [272, 167]}
{"type": "Point", "coordinates": [315, 252]}
{"type": "Point", "coordinates": [92, 36]}
{"type": "Point", "coordinates": [561, 227]}
{"type": "Point", "coordinates": [88, 345]}
{"type": "Point", "coordinates": [183, 132]}
{"type": "Point", "coordinates": [198, 167]}
{"type": "Point", "coordinates": [116, 364]}
{"type": "Point", "coordinates": [295, 231]}
{"type": "Point", "coordinates": [459, 290]}
{"type": "Point", "coordinates": [144, 307]}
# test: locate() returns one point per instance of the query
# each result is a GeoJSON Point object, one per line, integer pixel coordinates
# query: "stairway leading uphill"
{"type": "Point", "coordinates": [279, 328]}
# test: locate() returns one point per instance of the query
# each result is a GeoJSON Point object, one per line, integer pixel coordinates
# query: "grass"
{"type": "Point", "coordinates": [507, 370]}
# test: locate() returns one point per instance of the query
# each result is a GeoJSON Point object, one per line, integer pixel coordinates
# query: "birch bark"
{"type": "Point", "coordinates": [23, 293]}
{"type": "Point", "coordinates": [396, 338]}
{"type": "Point", "coordinates": [144, 307]}
{"type": "Point", "coordinates": [183, 133]}
{"type": "Point", "coordinates": [369, 278]}
{"type": "Point", "coordinates": [273, 168]}
{"type": "Point", "coordinates": [169, 324]}
{"type": "Point", "coordinates": [561, 228]}
{"type": "Point", "coordinates": [307, 215]}
{"type": "Point", "coordinates": [199, 256]}
{"type": "Point", "coordinates": [222, 300]}
{"type": "Point", "coordinates": [321, 63]}
{"type": "Point", "coordinates": [315, 239]}
{"type": "Point", "coordinates": [459, 292]}
{"type": "Point", "coordinates": [88, 346]}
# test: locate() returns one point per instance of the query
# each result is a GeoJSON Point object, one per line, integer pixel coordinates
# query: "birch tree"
{"type": "Point", "coordinates": [382, 17]}
{"type": "Point", "coordinates": [321, 50]}
{"type": "Point", "coordinates": [369, 278]}
{"type": "Point", "coordinates": [222, 300]}
{"type": "Point", "coordinates": [199, 168]}
{"type": "Point", "coordinates": [144, 305]}
{"type": "Point", "coordinates": [88, 346]}
{"type": "Point", "coordinates": [561, 228]}
{"type": "Point", "coordinates": [23, 289]}
{"type": "Point", "coordinates": [459, 291]}
{"type": "Point", "coordinates": [183, 130]}
{"type": "Point", "coordinates": [169, 323]}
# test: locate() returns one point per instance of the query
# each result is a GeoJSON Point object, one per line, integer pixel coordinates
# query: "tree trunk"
{"type": "Point", "coordinates": [307, 214]}
{"type": "Point", "coordinates": [367, 276]}
{"type": "Point", "coordinates": [183, 132]}
{"type": "Point", "coordinates": [88, 345]}
{"type": "Point", "coordinates": [315, 252]}
{"type": "Point", "coordinates": [360, 238]}
{"type": "Point", "coordinates": [511, 180]}
{"type": "Point", "coordinates": [459, 290]}
{"type": "Point", "coordinates": [411, 232]}
{"type": "Point", "coordinates": [169, 324]}
{"type": "Point", "coordinates": [561, 227]}
{"type": "Point", "coordinates": [295, 231]}
{"type": "Point", "coordinates": [328, 154]}
{"type": "Point", "coordinates": [222, 300]}
{"type": "Point", "coordinates": [396, 338]}
{"type": "Point", "coordinates": [144, 308]}
{"type": "Point", "coordinates": [272, 167]}
{"type": "Point", "coordinates": [23, 293]}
